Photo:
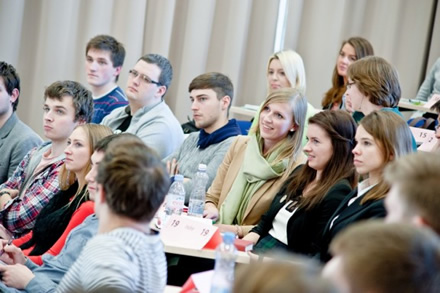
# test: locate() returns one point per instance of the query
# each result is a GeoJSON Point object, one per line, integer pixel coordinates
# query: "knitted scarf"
{"type": "Point", "coordinates": [254, 172]}
{"type": "Point", "coordinates": [207, 139]}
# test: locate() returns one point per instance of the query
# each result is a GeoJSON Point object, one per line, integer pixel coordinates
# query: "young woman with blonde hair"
{"type": "Point", "coordinates": [256, 165]}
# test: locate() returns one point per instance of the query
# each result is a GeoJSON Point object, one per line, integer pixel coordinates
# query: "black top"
{"type": "Point", "coordinates": [347, 215]}
{"type": "Point", "coordinates": [305, 227]}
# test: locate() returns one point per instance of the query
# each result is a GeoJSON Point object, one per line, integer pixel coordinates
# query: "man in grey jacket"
{"type": "Point", "coordinates": [211, 97]}
{"type": "Point", "coordinates": [147, 115]}
{"type": "Point", "coordinates": [16, 138]}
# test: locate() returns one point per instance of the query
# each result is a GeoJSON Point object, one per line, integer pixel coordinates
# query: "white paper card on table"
{"type": "Point", "coordinates": [422, 135]}
{"type": "Point", "coordinates": [434, 99]}
{"type": "Point", "coordinates": [429, 146]}
{"type": "Point", "coordinates": [202, 281]}
{"type": "Point", "coordinates": [187, 232]}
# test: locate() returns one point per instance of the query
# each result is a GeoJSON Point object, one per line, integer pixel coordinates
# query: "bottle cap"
{"type": "Point", "coordinates": [228, 237]}
{"type": "Point", "coordinates": [178, 177]}
{"type": "Point", "coordinates": [202, 167]}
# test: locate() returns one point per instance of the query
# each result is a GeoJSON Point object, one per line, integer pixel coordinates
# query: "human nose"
{"type": "Point", "coordinates": [307, 148]}
{"type": "Point", "coordinates": [68, 150]}
{"type": "Point", "coordinates": [48, 116]}
{"type": "Point", "coordinates": [356, 150]}
{"type": "Point", "coordinates": [90, 176]}
{"type": "Point", "coordinates": [194, 105]}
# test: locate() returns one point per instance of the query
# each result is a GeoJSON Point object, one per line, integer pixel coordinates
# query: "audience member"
{"type": "Point", "coordinates": [285, 69]}
{"type": "Point", "coordinates": [381, 138]}
{"type": "Point", "coordinates": [35, 181]}
{"type": "Point", "coordinates": [352, 49]}
{"type": "Point", "coordinates": [284, 275]}
{"type": "Point", "coordinates": [147, 115]}
{"type": "Point", "coordinates": [211, 97]}
{"type": "Point", "coordinates": [413, 196]}
{"type": "Point", "coordinates": [16, 137]}
{"type": "Point", "coordinates": [431, 85]}
{"type": "Point", "coordinates": [300, 211]}
{"type": "Point", "coordinates": [104, 60]}
{"type": "Point", "coordinates": [256, 165]}
{"type": "Point", "coordinates": [132, 184]}
{"type": "Point", "coordinates": [25, 275]}
{"type": "Point", "coordinates": [72, 201]}
{"type": "Point", "coordinates": [377, 257]}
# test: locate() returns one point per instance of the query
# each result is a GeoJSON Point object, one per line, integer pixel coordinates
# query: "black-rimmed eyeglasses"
{"type": "Point", "coordinates": [145, 78]}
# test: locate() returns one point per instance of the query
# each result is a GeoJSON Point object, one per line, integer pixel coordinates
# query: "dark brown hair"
{"type": "Point", "coordinates": [134, 179]}
{"type": "Point", "coordinates": [362, 48]}
{"type": "Point", "coordinates": [341, 128]}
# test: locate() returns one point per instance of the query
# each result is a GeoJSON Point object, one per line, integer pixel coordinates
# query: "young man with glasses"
{"type": "Point", "coordinates": [147, 115]}
{"type": "Point", "coordinates": [104, 60]}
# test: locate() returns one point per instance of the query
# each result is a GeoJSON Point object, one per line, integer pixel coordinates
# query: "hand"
{"type": "Point", "coordinates": [172, 167]}
{"type": "Point", "coordinates": [12, 254]}
{"type": "Point", "coordinates": [435, 97]}
{"type": "Point", "coordinates": [16, 276]}
{"type": "Point", "coordinates": [210, 212]}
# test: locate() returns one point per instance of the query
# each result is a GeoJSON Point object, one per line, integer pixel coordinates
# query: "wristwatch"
{"type": "Point", "coordinates": [4, 192]}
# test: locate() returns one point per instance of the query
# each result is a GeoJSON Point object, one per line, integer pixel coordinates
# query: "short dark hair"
{"type": "Point", "coordinates": [166, 70]}
{"type": "Point", "coordinates": [11, 80]}
{"type": "Point", "coordinates": [108, 43]}
{"type": "Point", "coordinates": [216, 81]}
{"type": "Point", "coordinates": [81, 97]}
{"type": "Point", "coordinates": [134, 179]}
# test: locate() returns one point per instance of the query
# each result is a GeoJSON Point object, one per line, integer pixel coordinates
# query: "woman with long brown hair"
{"type": "Point", "coordinates": [300, 211]}
{"type": "Point", "coordinates": [381, 138]}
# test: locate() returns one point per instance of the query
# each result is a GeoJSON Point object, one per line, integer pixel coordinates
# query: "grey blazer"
{"type": "Point", "coordinates": [16, 140]}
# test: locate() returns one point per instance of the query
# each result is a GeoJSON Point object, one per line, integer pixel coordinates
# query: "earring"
{"type": "Point", "coordinates": [292, 130]}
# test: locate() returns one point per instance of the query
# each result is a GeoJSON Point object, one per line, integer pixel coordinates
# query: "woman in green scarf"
{"type": "Point", "coordinates": [256, 165]}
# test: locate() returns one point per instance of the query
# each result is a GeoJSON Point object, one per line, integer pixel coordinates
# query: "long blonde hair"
{"type": "Point", "coordinates": [293, 66]}
{"type": "Point", "coordinates": [291, 144]}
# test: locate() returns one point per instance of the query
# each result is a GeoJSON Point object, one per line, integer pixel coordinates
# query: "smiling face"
{"type": "Point", "coordinates": [92, 185]}
{"type": "Point", "coordinates": [346, 56]}
{"type": "Point", "coordinates": [59, 118]}
{"type": "Point", "coordinates": [99, 68]}
{"type": "Point", "coordinates": [77, 151]}
{"type": "Point", "coordinates": [368, 155]}
{"type": "Point", "coordinates": [276, 76]}
{"type": "Point", "coordinates": [319, 148]}
{"type": "Point", "coordinates": [276, 120]}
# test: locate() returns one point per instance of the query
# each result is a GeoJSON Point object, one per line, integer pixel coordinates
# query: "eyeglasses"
{"type": "Point", "coordinates": [145, 78]}
{"type": "Point", "coordinates": [350, 84]}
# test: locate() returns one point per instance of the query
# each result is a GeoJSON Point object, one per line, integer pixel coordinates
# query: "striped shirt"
{"type": "Point", "coordinates": [123, 260]}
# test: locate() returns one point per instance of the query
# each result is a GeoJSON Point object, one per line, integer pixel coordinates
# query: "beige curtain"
{"type": "Point", "coordinates": [45, 40]}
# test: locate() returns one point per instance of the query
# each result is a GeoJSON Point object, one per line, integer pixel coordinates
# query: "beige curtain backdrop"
{"type": "Point", "coordinates": [45, 41]}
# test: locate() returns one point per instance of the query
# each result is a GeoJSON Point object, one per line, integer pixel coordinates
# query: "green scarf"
{"type": "Point", "coordinates": [254, 172]}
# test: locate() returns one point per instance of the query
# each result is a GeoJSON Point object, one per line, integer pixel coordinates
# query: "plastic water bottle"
{"type": "Point", "coordinates": [176, 197]}
{"type": "Point", "coordinates": [223, 278]}
{"type": "Point", "coordinates": [197, 198]}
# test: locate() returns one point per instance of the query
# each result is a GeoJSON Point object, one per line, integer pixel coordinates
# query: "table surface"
{"type": "Point", "coordinates": [242, 257]}
{"type": "Point", "coordinates": [249, 110]}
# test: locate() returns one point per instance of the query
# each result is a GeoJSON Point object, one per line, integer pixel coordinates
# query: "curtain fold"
{"type": "Point", "coordinates": [45, 40]}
